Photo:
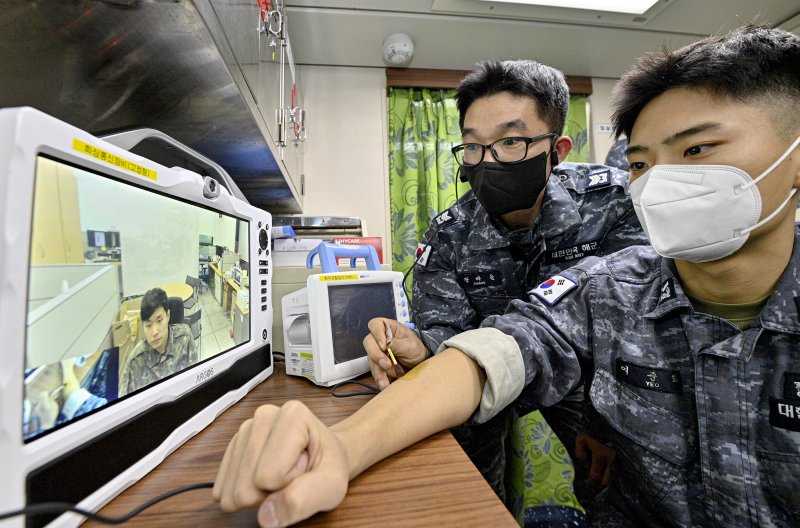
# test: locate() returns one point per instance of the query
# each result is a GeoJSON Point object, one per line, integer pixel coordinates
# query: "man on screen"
{"type": "Point", "coordinates": [166, 348]}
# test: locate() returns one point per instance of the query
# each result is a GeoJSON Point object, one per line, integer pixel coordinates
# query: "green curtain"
{"type": "Point", "coordinates": [577, 128]}
{"type": "Point", "coordinates": [423, 126]}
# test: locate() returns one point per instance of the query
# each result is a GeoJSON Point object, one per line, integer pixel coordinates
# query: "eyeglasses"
{"type": "Point", "coordinates": [504, 150]}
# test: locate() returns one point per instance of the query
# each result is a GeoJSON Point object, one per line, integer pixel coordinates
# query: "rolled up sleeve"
{"type": "Point", "coordinates": [499, 356]}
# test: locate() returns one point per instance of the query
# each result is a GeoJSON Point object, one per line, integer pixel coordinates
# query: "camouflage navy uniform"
{"type": "Point", "coordinates": [469, 267]}
{"type": "Point", "coordinates": [705, 418]}
{"type": "Point", "coordinates": [145, 365]}
{"type": "Point", "coordinates": [616, 156]}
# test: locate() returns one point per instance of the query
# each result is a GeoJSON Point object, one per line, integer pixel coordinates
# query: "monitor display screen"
{"type": "Point", "coordinates": [351, 308]}
{"type": "Point", "coordinates": [102, 239]}
{"type": "Point", "coordinates": [97, 329]}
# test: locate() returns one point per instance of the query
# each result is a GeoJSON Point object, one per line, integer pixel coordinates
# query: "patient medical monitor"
{"type": "Point", "coordinates": [325, 323]}
{"type": "Point", "coordinates": [93, 393]}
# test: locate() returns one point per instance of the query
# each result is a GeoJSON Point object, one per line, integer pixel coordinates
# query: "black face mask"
{"type": "Point", "coordinates": [503, 188]}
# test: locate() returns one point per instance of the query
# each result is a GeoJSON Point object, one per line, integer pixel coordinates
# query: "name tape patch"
{"type": "Point", "coordinates": [481, 279]}
{"type": "Point", "coordinates": [784, 414]}
{"type": "Point", "coordinates": [659, 380]}
{"type": "Point", "coordinates": [576, 252]}
{"type": "Point", "coordinates": [791, 386]}
{"type": "Point", "coordinates": [553, 289]}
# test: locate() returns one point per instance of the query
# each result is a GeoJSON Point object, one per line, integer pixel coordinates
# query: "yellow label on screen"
{"type": "Point", "coordinates": [113, 159]}
{"type": "Point", "coordinates": [349, 276]}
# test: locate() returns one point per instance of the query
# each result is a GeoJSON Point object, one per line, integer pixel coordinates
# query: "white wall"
{"type": "Point", "coordinates": [600, 110]}
{"type": "Point", "coordinates": [345, 157]}
{"type": "Point", "coordinates": [224, 231]}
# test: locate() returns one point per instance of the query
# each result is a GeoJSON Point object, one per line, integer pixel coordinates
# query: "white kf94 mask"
{"type": "Point", "coordinates": [700, 213]}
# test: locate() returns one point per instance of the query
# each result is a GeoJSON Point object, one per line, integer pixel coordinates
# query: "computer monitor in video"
{"type": "Point", "coordinates": [109, 364]}
{"type": "Point", "coordinates": [325, 323]}
{"type": "Point", "coordinates": [102, 239]}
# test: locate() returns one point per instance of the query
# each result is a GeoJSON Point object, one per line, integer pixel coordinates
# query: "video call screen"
{"type": "Point", "coordinates": [351, 307]}
{"type": "Point", "coordinates": [98, 246]}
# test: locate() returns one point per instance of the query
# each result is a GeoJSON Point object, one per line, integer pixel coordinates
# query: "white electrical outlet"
{"type": "Point", "coordinates": [605, 128]}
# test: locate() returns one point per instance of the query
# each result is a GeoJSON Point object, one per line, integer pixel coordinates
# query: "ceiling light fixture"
{"type": "Point", "coordinates": [637, 7]}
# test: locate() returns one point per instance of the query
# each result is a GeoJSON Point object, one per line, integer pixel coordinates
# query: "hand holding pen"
{"type": "Point", "coordinates": [392, 349]}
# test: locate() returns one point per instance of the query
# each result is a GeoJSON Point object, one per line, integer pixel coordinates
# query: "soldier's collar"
{"type": "Point", "coordinates": [780, 314]}
{"type": "Point", "coordinates": [484, 234]}
{"type": "Point", "coordinates": [170, 342]}
{"type": "Point", "coordinates": [782, 311]}
{"type": "Point", "coordinates": [559, 214]}
{"type": "Point", "coordinates": [669, 296]}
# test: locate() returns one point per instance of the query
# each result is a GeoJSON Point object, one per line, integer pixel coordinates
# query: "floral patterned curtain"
{"type": "Point", "coordinates": [423, 126]}
{"type": "Point", "coordinates": [578, 129]}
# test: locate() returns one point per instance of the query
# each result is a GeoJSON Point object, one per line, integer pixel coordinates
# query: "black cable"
{"type": "Point", "coordinates": [371, 389]}
{"type": "Point", "coordinates": [429, 241]}
{"type": "Point", "coordinates": [63, 507]}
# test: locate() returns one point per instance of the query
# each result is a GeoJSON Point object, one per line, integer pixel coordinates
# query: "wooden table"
{"type": "Point", "coordinates": [431, 483]}
{"type": "Point", "coordinates": [177, 289]}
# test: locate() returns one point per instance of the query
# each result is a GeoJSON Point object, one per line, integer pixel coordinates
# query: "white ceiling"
{"type": "Point", "coordinates": [455, 34]}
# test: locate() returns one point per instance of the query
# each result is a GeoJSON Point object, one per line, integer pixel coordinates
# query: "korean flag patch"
{"type": "Point", "coordinates": [553, 289]}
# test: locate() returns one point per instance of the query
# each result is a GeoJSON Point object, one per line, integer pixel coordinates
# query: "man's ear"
{"type": "Point", "coordinates": [562, 147]}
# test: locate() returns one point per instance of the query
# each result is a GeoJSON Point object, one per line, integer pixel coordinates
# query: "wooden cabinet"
{"type": "Point", "coordinates": [56, 222]}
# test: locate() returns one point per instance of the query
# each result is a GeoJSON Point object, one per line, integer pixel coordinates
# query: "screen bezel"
{"type": "Point", "coordinates": [325, 369]}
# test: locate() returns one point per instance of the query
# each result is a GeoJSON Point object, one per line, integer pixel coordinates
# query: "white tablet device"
{"type": "Point", "coordinates": [86, 230]}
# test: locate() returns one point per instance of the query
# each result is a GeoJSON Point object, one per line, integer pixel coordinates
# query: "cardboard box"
{"type": "Point", "coordinates": [125, 329]}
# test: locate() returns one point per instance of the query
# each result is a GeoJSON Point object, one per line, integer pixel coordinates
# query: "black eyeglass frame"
{"type": "Point", "coordinates": [528, 141]}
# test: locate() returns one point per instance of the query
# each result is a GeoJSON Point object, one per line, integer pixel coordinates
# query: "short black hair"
{"type": "Point", "coordinates": [151, 301]}
{"type": "Point", "coordinates": [526, 78]}
{"type": "Point", "coordinates": [753, 63]}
